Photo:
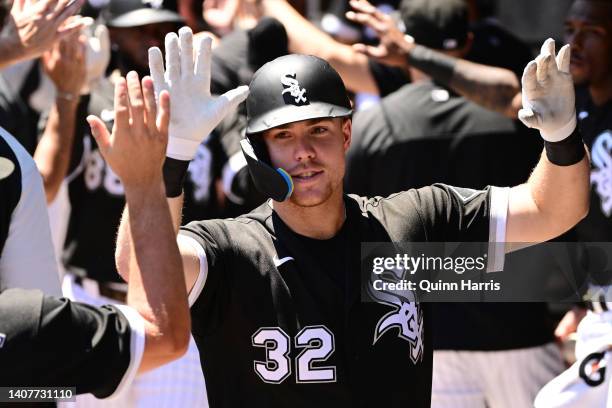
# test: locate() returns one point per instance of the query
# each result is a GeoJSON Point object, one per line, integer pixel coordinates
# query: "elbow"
{"type": "Point", "coordinates": [180, 343]}
{"type": "Point", "coordinates": [164, 344]}
{"type": "Point", "coordinates": [176, 337]}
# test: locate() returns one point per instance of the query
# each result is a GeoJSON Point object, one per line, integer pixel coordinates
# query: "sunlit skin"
{"type": "Point", "coordinates": [588, 29]}
{"type": "Point", "coordinates": [313, 153]}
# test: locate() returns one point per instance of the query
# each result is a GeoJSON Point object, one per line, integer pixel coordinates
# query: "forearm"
{"type": "Point", "coordinates": [157, 288]}
{"type": "Point", "coordinates": [555, 197]}
{"type": "Point", "coordinates": [124, 254]}
{"type": "Point", "coordinates": [52, 155]}
{"type": "Point", "coordinates": [494, 88]}
{"type": "Point", "coordinates": [305, 38]}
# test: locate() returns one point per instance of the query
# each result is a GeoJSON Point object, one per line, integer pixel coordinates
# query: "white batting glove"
{"type": "Point", "coordinates": [194, 112]}
{"type": "Point", "coordinates": [97, 56]}
{"type": "Point", "coordinates": [548, 94]}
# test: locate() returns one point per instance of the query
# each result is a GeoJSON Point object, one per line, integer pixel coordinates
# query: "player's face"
{"type": "Point", "coordinates": [588, 29]}
{"type": "Point", "coordinates": [313, 153]}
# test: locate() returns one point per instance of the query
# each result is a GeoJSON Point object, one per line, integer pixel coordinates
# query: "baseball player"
{"type": "Point", "coordinates": [49, 341]}
{"type": "Point", "coordinates": [443, 137]}
{"type": "Point", "coordinates": [275, 294]}
{"type": "Point", "coordinates": [588, 28]}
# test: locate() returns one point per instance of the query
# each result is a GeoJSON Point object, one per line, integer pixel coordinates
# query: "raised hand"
{"type": "Point", "coordinates": [65, 65]}
{"type": "Point", "coordinates": [394, 46]}
{"type": "Point", "coordinates": [33, 26]}
{"type": "Point", "coordinates": [548, 94]}
{"type": "Point", "coordinates": [136, 149]}
{"type": "Point", "coordinates": [195, 112]}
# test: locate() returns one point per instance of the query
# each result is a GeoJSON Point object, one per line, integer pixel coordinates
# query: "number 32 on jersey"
{"type": "Point", "coordinates": [317, 343]}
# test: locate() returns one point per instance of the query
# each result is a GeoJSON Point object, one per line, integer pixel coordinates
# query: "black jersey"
{"type": "Point", "coordinates": [47, 341]}
{"type": "Point", "coordinates": [595, 124]}
{"type": "Point", "coordinates": [442, 137]}
{"type": "Point", "coordinates": [278, 317]}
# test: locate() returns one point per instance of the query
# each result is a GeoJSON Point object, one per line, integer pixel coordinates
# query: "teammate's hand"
{"type": "Point", "coordinates": [65, 65]}
{"type": "Point", "coordinates": [136, 149]}
{"type": "Point", "coordinates": [34, 26]}
{"type": "Point", "coordinates": [548, 94]}
{"type": "Point", "coordinates": [195, 112]}
{"type": "Point", "coordinates": [394, 46]}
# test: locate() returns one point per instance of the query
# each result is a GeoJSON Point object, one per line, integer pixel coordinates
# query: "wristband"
{"type": "Point", "coordinates": [174, 176]}
{"type": "Point", "coordinates": [566, 152]}
{"type": "Point", "coordinates": [437, 65]}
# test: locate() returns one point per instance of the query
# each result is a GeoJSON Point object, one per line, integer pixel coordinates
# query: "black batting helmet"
{"type": "Point", "coordinates": [289, 89]}
{"type": "Point", "coordinates": [135, 13]}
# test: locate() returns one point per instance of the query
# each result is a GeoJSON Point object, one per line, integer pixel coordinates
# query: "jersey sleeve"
{"type": "Point", "coordinates": [453, 214]}
{"type": "Point", "coordinates": [56, 342]}
{"type": "Point", "coordinates": [212, 244]}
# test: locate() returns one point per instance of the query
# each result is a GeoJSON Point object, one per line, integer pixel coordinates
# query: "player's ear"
{"type": "Point", "coordinates": [347, 130]}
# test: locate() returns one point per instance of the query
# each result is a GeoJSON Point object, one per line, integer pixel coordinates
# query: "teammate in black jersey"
{"type": "Point", "coordinates": [275, 294]}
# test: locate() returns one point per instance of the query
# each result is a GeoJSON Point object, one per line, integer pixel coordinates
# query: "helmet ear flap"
{"type": "Point", "coordinates": [259, 147]}
{"type": "Point", "coordinates": [275, 183]}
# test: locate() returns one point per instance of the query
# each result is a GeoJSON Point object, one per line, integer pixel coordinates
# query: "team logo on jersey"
{"type": "Point", "coordinates": [293, 94]}
{"type": "Point", "coordinates": [2, 339]}
{"type": "Point", "coordinates": [592, 369]}
{"type": "Point", "coordinates": [406, 316]}
{"type": "Point", "coordinates": [601, 175]}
